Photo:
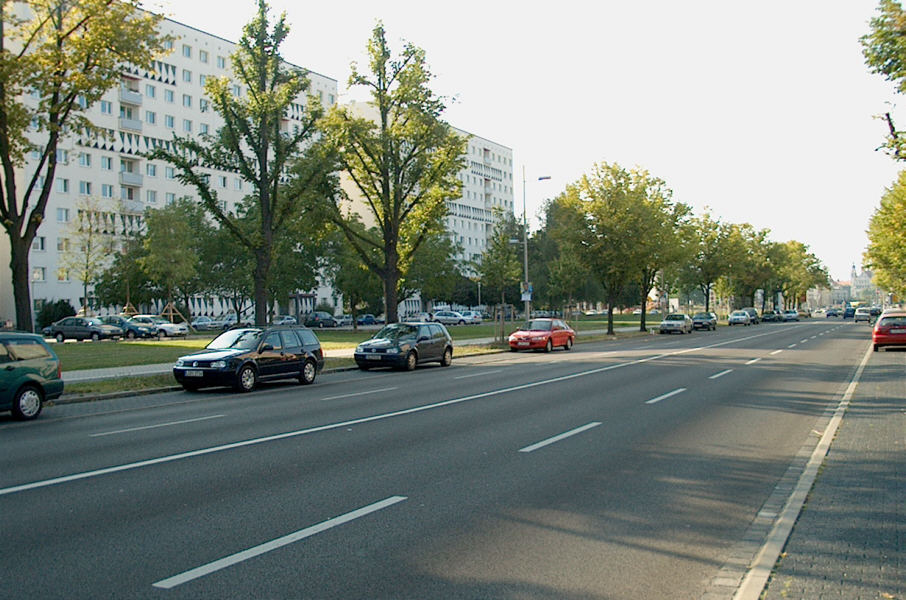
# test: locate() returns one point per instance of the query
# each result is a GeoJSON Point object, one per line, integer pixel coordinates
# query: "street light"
{"type": "Point", "coordinates": [526, 286]}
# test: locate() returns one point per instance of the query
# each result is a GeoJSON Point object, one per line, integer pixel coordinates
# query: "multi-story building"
{"type": "Point", "coordinates": [143, 112]}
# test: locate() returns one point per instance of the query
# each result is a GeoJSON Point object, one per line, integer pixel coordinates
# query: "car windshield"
{"type": "Point", "coordinates": [538, 325]}
{"type": "Point", "coordinates": [702, 316]}
{"type": "Point", "coordinates": [243, 339]}
{"type": "Point", "coordinates": [94, 322]}
{"type": "Point", "coordinates": [675, 318]}
{"type": "Point", "coordinates": [394, 331]}
{"type": "Point", "coordinates": [739, 313]}
{"type": "Point", "coordinates": [159, 320]}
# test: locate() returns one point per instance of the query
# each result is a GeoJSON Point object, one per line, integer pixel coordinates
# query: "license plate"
{"type": "Point", "coordinates": [898, 330]}
{"type": "Point", "coordinates": [373, 357]}
{"type": "Point", "coordinates": [522, 343]}
{"type": "Point", "coordinates": [194, 373]}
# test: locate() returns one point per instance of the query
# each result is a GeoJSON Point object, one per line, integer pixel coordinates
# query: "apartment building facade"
{"type": "Point", "coordinates": [142, 113]}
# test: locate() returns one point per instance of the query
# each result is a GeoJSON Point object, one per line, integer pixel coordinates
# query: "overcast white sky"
{"type": "Point", "coordinates": [761, 111]}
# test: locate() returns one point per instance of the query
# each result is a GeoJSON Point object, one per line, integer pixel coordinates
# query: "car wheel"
{"type": "Point", "coordinates": [411, 361]}
{"type": "Point", "coordinates": [247, 379]}
{"type": "Point", "coordinates": [363, 367]}
{"type": "Point", "coordinates": [190, 387]}
{"type": "Point", "coordinates": [569, 344]}
{"type": "Point", "coordinates": [309, 372]}
{"type": "Point", "coordinates": [549, 346]}
{"type": "Point", "coordinates": [876, 347]}
{"type": "Point", "coordinates": [447, 359]}
{"type": "Point", "coordinates": [513, 349]}
{"type": "Point", "coordinates": [28, 403]}
{"type": "Point", "coordinates": [95, 337]}
{"type": "Point", "coordinates": [60, 337]}
{"type": "Point", "coordinates": [461, 322]}
{"type": "Point", "coordinates": [321, 325]}
{"type": "Point", "coordinates": [130, 335]}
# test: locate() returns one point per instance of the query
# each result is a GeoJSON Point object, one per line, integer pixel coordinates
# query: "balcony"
{"type": "Point", "coordinates": [130, 96]}
{"type": "Point", "coordinates": [130, 124]}
{"type": "Point", "coordinates": [134, 207]}
{"type": "Point", "coordinates": [131, 179]}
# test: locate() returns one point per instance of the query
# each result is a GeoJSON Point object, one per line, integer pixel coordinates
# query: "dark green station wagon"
{"type": "Point", "coordinates": [30, 374]}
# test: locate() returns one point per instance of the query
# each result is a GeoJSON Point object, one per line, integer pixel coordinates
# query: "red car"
{"type": "Point", "coordinates": [890, 330]}
{"type": "Point", "coordinates": [542, 334]}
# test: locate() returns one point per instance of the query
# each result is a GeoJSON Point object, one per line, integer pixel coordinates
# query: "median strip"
{"type": "Point", "coordinates": [239, 557]}
{"type": "Point", "coordinates": [560, 437]}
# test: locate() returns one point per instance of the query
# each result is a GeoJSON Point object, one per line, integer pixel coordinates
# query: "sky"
{"type": "Point", "coordinates": [760, 113]}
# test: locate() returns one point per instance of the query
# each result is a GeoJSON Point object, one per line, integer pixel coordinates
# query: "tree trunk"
{"type": "Point", "coordinates": [610, 318]}
{"type": "Point", "coordinates": [262, 267]}
{"type": "Point", "coordinates": [391, 281]}
{"type": "Point", "coordinates": [22, 294]}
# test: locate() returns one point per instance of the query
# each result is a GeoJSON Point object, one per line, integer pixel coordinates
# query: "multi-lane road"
{"type": "Point", "coordinates": [630, 469]}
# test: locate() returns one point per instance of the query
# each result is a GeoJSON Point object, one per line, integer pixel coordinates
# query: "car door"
{"type": "Point", "coordinates": [438, 341]}
{"type": "Point", "coordinates": [270, 355]}
{"type": "Point", "coordinates": [78, 329]}
{"type": "Point", "coordinates": [293, 354]}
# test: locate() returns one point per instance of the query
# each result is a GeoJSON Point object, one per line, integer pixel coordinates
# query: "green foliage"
{"type": "Point", "coordinates": [52, 312]}
{"type": "Point", "coordinates": [886, 252]}
{"type": "Point", "coordinates": [433, 270]}
{"type": "Point", "coordinates": [884, 49]}
{"type": "Point", "coordinates": [501, 269]}
{"type": "Point", "coordinates": [171, 260]}
{"type": "Point", "coordinates": [400, 159]}
{"type": "Point", "coordinates": [89, 242]}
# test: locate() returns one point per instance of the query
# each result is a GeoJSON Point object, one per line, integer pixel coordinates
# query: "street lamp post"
{"type": "Point", "coordinates": [526, 285]}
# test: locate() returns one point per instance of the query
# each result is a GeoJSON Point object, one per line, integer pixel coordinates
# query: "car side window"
{"type": "Point", "coordinates": [4, 354]}
{"type": "Point", "coordinates": [437, 332]}
{"type": "Point", "coordinates": [273, 338]}
{"type": "Point", "coordinates": [308, 338]}
{"type": "Point", "coordinates": [27, 349]}
{"type": "Point", "coordinates": [68, 322]}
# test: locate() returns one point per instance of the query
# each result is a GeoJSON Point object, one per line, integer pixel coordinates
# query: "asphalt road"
{"type": "Point", "coordinates": [617, 470]}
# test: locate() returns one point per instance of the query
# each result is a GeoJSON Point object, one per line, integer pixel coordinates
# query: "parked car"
{"type": "Point", "coordinates": [704, 320]}
{"type": "Point", "coordinates": [131, 329]}
{"type": "Point", "coordinates": [162, 327]}
{"type": "Point", "coordinates": [472, 317]}
{"type": "Point", "coordinates": [284, 320]}
{"type": "Point", "coordinates": [890, 330]}
{"type": "Point", "coordinates": [344, 320]}
{"type": "Point", "coordinates": [542, 334]}
{"type": "Point", "coordinates": [366, 319]}
{"type": "Point", "coordinates": [754, 319]}
{"type": "Point", "coordinates": [832, 312]}
{"type": "Point", "coordinates": [82, 328]}
{"type": "Point", "coordinates": [790, 315]}
{"type": "Point", "coordinates": [242, 357]}
{"type": "Point", "coordinates": [849, 312]}
{"type": "Point", "coordinates": [449, 317]}
{"type": "Point", "coordinates": [406, 345]}
{"type": "Point", "coordinates": [863, 313]}
{"type": "Point", "coordinates": [739, 317]}
{"type": "Point", "coordinates": [230, 320]}
{"type": "Point", "coordinates": [30, 374]}
{"type": "Point", "coordinates": [676, 322]}
{"type": "Point", "coordinates": [204, 323]}
{"type": "Point", "coordinates": [774, 316]}
{"type": "Point", "coordinates": [320, 319]}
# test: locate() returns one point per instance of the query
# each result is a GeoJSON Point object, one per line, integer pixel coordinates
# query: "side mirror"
{"type": "Point", "coordinates": [266, 347]}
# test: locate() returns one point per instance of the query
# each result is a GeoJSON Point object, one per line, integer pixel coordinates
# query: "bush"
{"type": "Point", "coordinates": [52, 312]}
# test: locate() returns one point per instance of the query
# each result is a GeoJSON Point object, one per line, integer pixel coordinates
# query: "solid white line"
{"type": "Point", "coordinates": [753, 361]}
{"type": "Point", "coordinates": [562, 436]}
{"type": "Point", "coordinates": [721, 374]}
{"type": "Point", "coordinates": [156, 426]}
{"type": "Point", "coordinates": [791, 346]}
{"type": "Point", "coordinates": [757, 577]}
{"type": "Point", "coordinates": [665, 396]}
{"type": "Point", "coordinates": [233, 559]}
{"type": "Point", "coordinates": [331, 426]}
{"type": "Point", "coordinates": [776, 352]}
{"type": "Point", "coordinates": [478, 374]}
{"type": "Point", "coordinates": [377, 391]}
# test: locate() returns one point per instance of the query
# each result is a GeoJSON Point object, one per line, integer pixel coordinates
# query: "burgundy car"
{"type": "Point", "coordinates": [542, 334]}
{"type": "Point", "coordinates": [890, 330]}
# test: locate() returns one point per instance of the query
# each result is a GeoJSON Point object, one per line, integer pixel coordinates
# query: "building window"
{"type": "Point", "coordinates": [203, 56]}
{"type": "Point", "coordinates": [151, 169]}
{"type": "Point", "coordinates": [37, 274]}
{"type": "Point", "coordinates": [187, 100]}
{"type": "Point", "coordinates": [169, 173]}
{"type": "Point", "coordinates": [85, 188]}
{"type": "Point", "coordinates": [84, 159]}
{"type": "Point", "coordinates": [237, 184]}
{"type": "Point", "coordinates": [221, 62]}
{"type": "Point", "coordinates": [168, 96]}
{"type": "Point", "coordinates": [38, 244]}
{"type": "Point", "coordinates": [150, 117]}
{"type": "Point", "coordinates": [106, 163]}
{"type": "Point", "coordinates": [237, 91]}
{"type": "Point", "coordinates": [62, 274]}
{"type": "Point", "coordinates": [62, 185]}
{"type": "Point", "coordinates": [151, 196]}
{"type": "Point", "coordinates": [150, 90]}
{"type": "Point", "coordinates": [106, 190]}
{"type": "Point", "coordinates": [62, 244]}
{"type": "Point", "coordinates": [187, 125]}
{"type": "Point", "coordinates": [168, 44]}
{"type": "Point", "coordinates": [202, 79]}
{"type": "Point", "coordinates": [170, 198]}
{"type": "Point", "coordinates": [187, 75]}
{"type": "Point", "coordinates": [187, 51]}
{"type": "Point", "coordinates": [222, 180]}
{"type": "Point", "coordinates": [169, 121]}
{"type": "Point", "coordinates": [203, 128]}
{"type": "Point", "coordinates": [127, 193]}
{"type": "Point", "coordinates": [106, 107]}
{"type": "Point", "coordinates": [203, 105]}
{"type": "Point", "coordinates": [62, 215]}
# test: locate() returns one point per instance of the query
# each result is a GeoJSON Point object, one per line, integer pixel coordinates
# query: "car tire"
{"type": "Point", "coordinates": [461, 322]}
{"type": "Point", "coordinates": [513, 349]}
{"type": "Point", "coordinates": [447, 358]}
{"type": "Point", "coordinates": [309, 372]}
{"type": "Point", "coordinates": [321, 325]}
{"type": "Point", "coordinates": [95, 337]}
{"type": "Point", "coordinates": [130, 334]}
{"type": "Point", "coordinates": [549, 346]}
{"type": "Point", "coordinates": [411, 361]}
{"type": "Point", "coordinates": [876, 347]}
{"type": "Point", "coordinates": [27, 403]}
{"type": "Point", "coordinates": [246, 379]}
{"type": "Point", "coordinates": [190, 387]}
{"type": "Point", "coordinates": [363, 367]}
{"type": "Point", "coordinates": [60, 337]}
{"type": "Point", "coordinates": [569, 344]}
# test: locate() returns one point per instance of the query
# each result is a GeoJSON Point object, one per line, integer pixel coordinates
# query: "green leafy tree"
{"type": "Point", "coordinates": [252, 144]}
{"type": "Point", "coordinates": [886, 252]}
{"type": "Point", "coordinates": [884, 49]}
{"type": "Point", "coordinates": [401, 160]}
{"type": "Point", "coordinates": [433, 271]}
{"type": "Point", "coordinates": [172, 257]}
{"type": "Point", "coordinates": [52, 312]}
{"type": "Point", "coordinates": [69, 54]}
{"type": "Point", "coordinates": [358, 284]}
{"type": "Point", "coordinates": [706, 241]}
{"type": "Point", "coordinates": [500, 267]}
{"type": "Point", "coordinates": [89, 244]}
{"type": "Point", "coordinates": [124, 281]}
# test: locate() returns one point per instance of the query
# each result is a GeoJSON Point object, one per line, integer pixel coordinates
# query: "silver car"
{"type": "Point", "coordinates": [676, 322]}
{"type": "Point", "coordinates": [739, 317]}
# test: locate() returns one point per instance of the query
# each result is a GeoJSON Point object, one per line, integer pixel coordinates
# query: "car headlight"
{"type": "Point", "coordinates": [359, 349]}
{"type": "Point", "coordinates": [219, 364]}
{"type": "Point", "coordinates": [179, 362]}
{"type": "Point", "coordinates": [512, 338]}
{"type": "Point", "coordinates": [538, 338]}
{"type": "Point", "coordinates": [393, 350]}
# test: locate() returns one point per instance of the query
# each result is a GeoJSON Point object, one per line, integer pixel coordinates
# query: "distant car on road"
{"type": "Point", "coordinates": [704, 320]}
{"type": "Point", "coordinates": [832, 312]}
{"type": "Point", "coordinates": [772, 316]}
{"type": "Point", "coordinates": [676, 322]}
{"type": "Point", "coordinates": [406, 345]}
{"type": "Point", "coordinates": [320, 319]}
{"type": "Point", "coordinates": [204, 323]}
{"type": "Point", "coordinates": [543, 334]}
{"type": "Point", "coordinates": [890, 330]}
{"type": "Point", "coordinates": [162, 326]}
{"type": "Point", "coordinates": [366, 319]}
{"type": "Point", "coordinates": [284, 320]}
{"type": "Point", "coordinates": [472, 317]}
{"type": "Point", "coordinates": [30, 374]}
{"type": "Point", "coordinates": [739, 317]}
{"type": "Point", "coordinates": [863, 313]}
{"type": "Point", "coordinates": [790, 315]}
{"type": "Point", "coordinates": [849, 312]}
{"type": "Point", "coordinates": [753, 314]}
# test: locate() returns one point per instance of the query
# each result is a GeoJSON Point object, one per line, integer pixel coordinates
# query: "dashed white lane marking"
{"type": "Point", "coordinates": [721, 374]}
{"type": "Point", "coordinates": [776, 352]}
{"type": "Point", "coordinates": [389, 389]}
{"type": "Point", "coordinates": [479, 374]}
{"type": "Point", "coordinates": [665, 396]}
{"type": "Point", "coordinates": [562, 436]}
{"type": "Point", "coordinates": [233, 559]}
{"type": "Point", "coordinates": [171, 423]}
{"type": "Point", "coordinates": [753, 361]}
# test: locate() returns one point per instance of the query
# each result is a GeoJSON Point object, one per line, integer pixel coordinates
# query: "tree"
{"type": "Point", "coordinates": [89, 244]}
{"type": "Point", "coordinates": [886, 252]}
{"type": "Point", "coordinates": [253, 143]}
{"type": "Point", "coordinates": [708, 262]}
{"type": "Point", "coordinates": [500, 267]}
{"type": "Point", "coordinates": [124, 280]}
{"type": "Point", "coordinates": [403, 163]}
{"type": "Point", "coordinates": [172, 255]}
{"type": "Point", "coordinates": [69, 54]}
{"type": "Point", "coordinates": [359, 285]}
{"type": "Point", "coordinates": [884, 49]}
{"type": "Point", "coordinates": [433, 271]}
{"type": "Point", "coordinates": [601, 225]}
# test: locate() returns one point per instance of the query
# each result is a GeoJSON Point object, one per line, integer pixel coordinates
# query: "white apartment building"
{"type": "Point", "coordinates": [142, 113]}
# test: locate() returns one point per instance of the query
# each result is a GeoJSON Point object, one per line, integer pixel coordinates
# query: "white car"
{"type": "Point", "coordinates": [676, 322]}
{"type": "Point", "coordinates": [162, 326]}
{"type": "Point", "coordinates": [449, 317]}
{"type": "Point", "coordinates": [472, 317]}
{"type": "Point", "coordinates": [863, 313]}
{"type": "Point", "coordinates": [793, 315]}
{"type": "Point", "coordinates": [739, 317]}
